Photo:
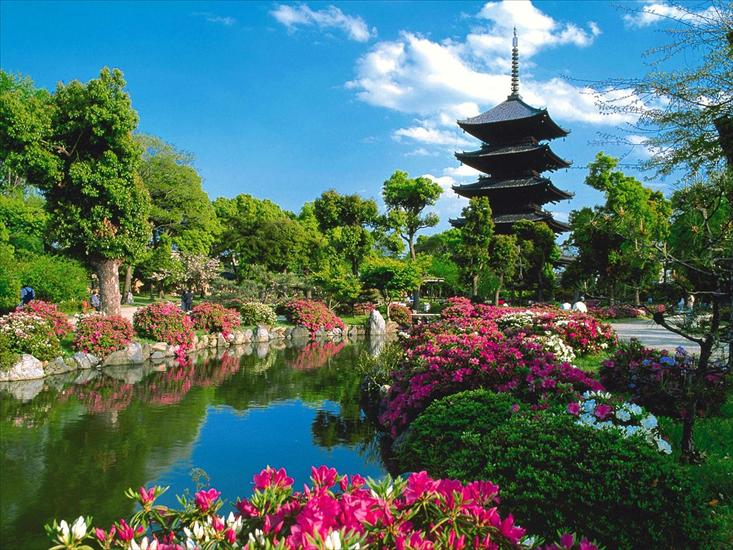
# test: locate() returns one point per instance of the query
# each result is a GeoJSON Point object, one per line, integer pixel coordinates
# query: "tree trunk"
{"type": "Point", "coordinates": [474, 286]}
{"type": "Point", "coordinates": [612, 297]}
{"type": "Point", "coordinates": [128, 281]}
{"type": "Point", "coordinates": [637, 301]}
{"type": "Point", "coordinates": [498, 290]}
{"type": "Point", "coordinates": [411, 246]}
{"type": "Point", "coordinates": [108, 273]}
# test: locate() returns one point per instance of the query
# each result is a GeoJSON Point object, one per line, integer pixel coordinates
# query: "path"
{"type": "Point", "coordinates": [652, 335]}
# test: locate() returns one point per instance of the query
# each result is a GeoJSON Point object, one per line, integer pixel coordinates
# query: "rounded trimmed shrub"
{"type": "Point", "coordinates": [312, 315]}
{"type": "Point", "coordinates": [30, 333]}
{"type": "Point", "coordinates": [400, 314]}
{"type": "Point", "coordinates": [256, 313]}
{"type": "Point", "coordinates": [214, 318]}
{"type": "Point", "coordinates": [50, 312]}
{"type": "Point", "coordinates": [100, 335]}
{"type": "Point", "coordinates": [556, 475]}
{"type": "Point", "coordinates": [164, 322]}
{"type": "Point", "coordinates": [55, 278]}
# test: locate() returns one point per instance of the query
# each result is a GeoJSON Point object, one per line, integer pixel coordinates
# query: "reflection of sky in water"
{"type": "Point", "coordinates": [232, 447]}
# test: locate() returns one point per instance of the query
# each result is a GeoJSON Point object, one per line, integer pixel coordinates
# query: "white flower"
{"type": "Point", "coordinates": [144, 544]}
{"type": "Point", "coordinates": [333, 541]}
{"type": "Point", "coordinates": [79, 528]}
{"type": "Point", "coordinates": [64, 530]}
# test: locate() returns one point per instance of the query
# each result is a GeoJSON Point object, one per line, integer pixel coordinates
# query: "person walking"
{"type": "Point", "coordinates": [26, 295]}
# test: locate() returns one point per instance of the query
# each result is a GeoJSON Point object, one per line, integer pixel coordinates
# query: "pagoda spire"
{"type": "Point", "coordinates": [515, 67]}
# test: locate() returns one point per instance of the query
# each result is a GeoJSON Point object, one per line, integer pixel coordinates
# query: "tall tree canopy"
{"type": "Point", "coordinates": [406, 198]}
{"type": "Point", "coordinates": [476, 234]}
{"type": "Point", "coordinates": [537, 256]}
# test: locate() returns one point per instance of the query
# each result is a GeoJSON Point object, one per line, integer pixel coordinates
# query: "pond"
{"type": "Point", "coordinates": [71, 445]}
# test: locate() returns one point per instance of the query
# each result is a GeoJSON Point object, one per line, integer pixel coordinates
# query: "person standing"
{"type": "Point", "coordinates": [26, 295]}
{"type": "Point", "coordinates": [95, 300]}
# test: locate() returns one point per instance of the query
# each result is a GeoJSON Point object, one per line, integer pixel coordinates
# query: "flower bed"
{"type": "Point", "coordinates": [215, 318]}
{"type": "Point", "coordinates": [30, 333]}
{"type": "Point", "coordinates": [449, 363]}
{"type": "Point", "coordinates": [100, 335]}
{"type": "Point", "coordinates": [164, 322]}
{"type": "Point", "coordinates": [656, 380]}
{"type": "Point", "coordinates": [622, 311]}
{"type": "Point", "coordinates": [312, 315]}
{"type": "Point", "coordinates": [50, 312]}
{"type": "Point", "coordinates": [333, 512]}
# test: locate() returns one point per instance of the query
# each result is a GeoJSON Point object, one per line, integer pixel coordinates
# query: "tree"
{"type": "Point", "coordinates": [617, 241]}
{"type": "Point", "coordinates": [406, 198]}
{"type": "Point", "coordinates": [503, 260]}
{"type": "Point", "coordinates": [391, 277]}
{"type": "Point", "coordinates": [685, 114]}
{"type": "Point", "coordinates": [476, 234]}
{"type": "Point", "coordinates": [180, 207]}
{"type": "Point", "coordinates": [537, 254]}
{"type": "Point", "coordinates": [24, 216]}
{"type": "Point", "coordinates": [345, 219]}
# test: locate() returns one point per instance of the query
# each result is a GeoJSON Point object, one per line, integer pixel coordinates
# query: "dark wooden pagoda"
{"type": "Point", "coordinates": [513, 157]}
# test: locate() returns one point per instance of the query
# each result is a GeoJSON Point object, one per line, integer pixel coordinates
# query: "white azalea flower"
{"type": "Point", "coordinates": [333, 541]}
{"type": "Point", "coordinates": [79, 528]}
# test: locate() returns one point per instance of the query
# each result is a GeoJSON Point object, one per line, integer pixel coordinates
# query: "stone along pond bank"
{"type": "Point", "coordinates": [31, 368]}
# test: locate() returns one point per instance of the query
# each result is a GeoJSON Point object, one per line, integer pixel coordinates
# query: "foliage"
{"type": "Point", "coordinates": [49, 312]}
{"type": "Point", "coordinates": [9, 279]}
{"type": "Point", "coordinates": [377, 369]}
{"type": "Point", "coordinates": [8, 357]}
{"type": "Point", "coordinates": [406, 198]}
{"type": "Point", "coordinates": [180, 208]}
{"type": "Point", "coordinates": [197, 270]}
{"type": "Point", "coordinates": [30, 333]}
{"type": "Point", "coordinates": [503, 260]}
{"type": "Point", "coordinates": [215, 318]}
{"type": "Point", "coordinates": [537, 251]}
{"type": "Point", "coordinates": [392, 277]}
{"type": "Point", "coordinates": [256, 313]}
{"type": "Point", "coordinates": [619, 491]}
{"type": "Point", "coordinates": [476, 234]}
{"type": "Point", "coordinates": [617, 311]}
{"type": "Point", "coordinates": [364, 308]}
{"type": "Point", "coordinates": [23, 214]}
{"type": "Point", "coordinates": [164, 322]}
{"type": "Point", "coordinates": [337, 283]}
{"type": "Point", "coordinates": [258, 285]}
{"type": "Point", "coordinates": [312, 315]}
{"type": "Point", "coordinates": [657, 380]}
{"type": "Point", "coordinates": [100, 335]}
{"type": "Point", "coordinates": [402, 315]}
{"type": "Point", "coordinates": [332, 512]}
{"type": "Point", "coordinates": [55, 278]}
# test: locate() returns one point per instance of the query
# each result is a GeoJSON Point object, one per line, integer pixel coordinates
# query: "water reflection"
{"type": "Point", "coordinates": [71, 444]}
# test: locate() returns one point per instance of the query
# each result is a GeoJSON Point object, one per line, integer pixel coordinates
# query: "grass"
{"type": "Point", "coordinates": [358, 320]}
{"type": "Point", "coordinates": [592, 363]}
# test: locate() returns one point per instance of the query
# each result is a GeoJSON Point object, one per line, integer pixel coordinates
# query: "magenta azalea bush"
{"type": "Point", "coordinates": [312, 315]}
{"type": "Point", "coordinates": [333, 512]}
{"type": "Point", "coordinates": [656, 379]}
{"type": "Point", "coordinates": [619, 311]}
{"type": "Point", "coordinates": [443, 364]}
{"type": "Point", "coordinates": [50, 312]}
{"type": "Point", "coordinates": [100, 335]}
{"type": "Point", "coordinates": [215, 318]}
{"type": "Point", "coordinates": [164, 322]}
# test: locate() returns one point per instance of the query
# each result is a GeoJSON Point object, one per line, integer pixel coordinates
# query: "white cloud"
{"type": "Point", "coordinates": [462, 171]}
{"type": "Point", "coordinates": [294, 16]}
{"type": "Point", "coordinates": [653, 12]}
{"type": "Point", "coordinates": [449, 204]}
{"type": "Point", "coordinates": [430, 136]}
{"type": "Point", "coordinates": [217, 19]}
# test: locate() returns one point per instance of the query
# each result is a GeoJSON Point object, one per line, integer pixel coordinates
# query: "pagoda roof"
{"type": "Point", "coordinates": [511, 117]}
{"type": "Point", "coordinates": [503, 222]}
{"type": "Point", "coordinates": [494, 186]}
{"type": "Point", "coordinates": [527, 156]}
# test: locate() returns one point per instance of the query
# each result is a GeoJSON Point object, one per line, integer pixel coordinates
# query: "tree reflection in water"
{"type": "Point", "coordinates": [72, 444]}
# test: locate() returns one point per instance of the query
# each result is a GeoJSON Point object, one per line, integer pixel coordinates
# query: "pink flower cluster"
{"type": "Point", "coordinates": [164, 322]}
{"type": "Point", "coordinates": [402, 315]}
{"type": "Point", "coordinates": [619, 311]}
{"type": "Point", "coordinates": [214, 318]}
{"type": "Point", "coordinates": [312, 315]}
{"type": "Point", "coordinates": [447, 363]}
{"type": "Point", "coordinates": [364, 308]}
{"type": "Point", "coordinates": [102, 334]}
{"type": "Point", "coordinates": [49, 312]}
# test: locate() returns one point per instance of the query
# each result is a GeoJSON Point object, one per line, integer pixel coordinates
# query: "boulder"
{"type": "Point", "coordinates": [377, 324]}
{"type": "Point", "coordinates": [82, 360]}
{"type": "Point", "coordinates": [203, 342]}
{"type": "Point", "coordinates": [159, 346]}
{"type": "Point", "coordinates": [261, 334]}
{"type": "Point", "coordinates": [300, 333]}
{"type": "Point", "coordinates": [157, 355]}
{"type": "Point", "coordinates": [27, 368]}
{"type": "Point", "coordinates": [132, 354]}
{"type": "Point", "coordinates": [221, 342]}
{"type": "Point", "coordinates": [58, 366]}
{"type": "Point", "coordinates": [247, 335]}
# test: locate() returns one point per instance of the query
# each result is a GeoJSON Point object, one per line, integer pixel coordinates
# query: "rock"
{"type": "Point", "coordinates": [221, 342]}
{"type": "Point", "coordinates": [82, 360]}
{"type": "Point", "coordinates": [157, 355]}
{"type": "Point", "coordinates": [203, 342]}
{"type": "Point", "coordinates": [353, 331]}
{"type": "Point", "coordinates": [261, 334]}
{"type": "Point", "coordinates": [27, 368]}
{"type": "Point", "coordinates": [247, 335]}
{"type": "Point", "coordinates": [288, 333]}
{"type": "Point", "coordinates": [172, 350]}
{"type": "Point", "coordinates": [24, 390]}
{"type": "Point", "coordinates": [377, 324]}
{"type": "Point", "coordinates": [277, 333]}
{"type": "Point", "coordinates": [213, 340]}
{"type": "Point", "coordinates": [239, 338]}
{"type": "Point", "coordinates": [231, 338]}
{"type": "Point", "coordinates": [159, 346]}
{"type": "Point", "coordinates": [58, 366]}
{"type": "Point", "coordinates": [86, 376]}
{"type": "Point", "coordinates": [94, 360]}
{"type": "Point", "coordinates": [116, 358]}
{"type": "Point", "coordinates": [300, 333]}
{"type": "Point", "coordinates": [263, 348]}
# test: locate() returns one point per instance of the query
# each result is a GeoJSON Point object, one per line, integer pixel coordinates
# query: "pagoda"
{"type": "Point", "coordinates": [513, 157]}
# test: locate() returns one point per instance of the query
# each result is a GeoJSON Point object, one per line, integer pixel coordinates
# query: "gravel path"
{"type": "Point", "coordinates": [652, 335]}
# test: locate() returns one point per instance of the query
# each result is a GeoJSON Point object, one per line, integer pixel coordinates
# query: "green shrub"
{"type": "Point", "coordinates": [55, 279]}
{"type": "Point", "coordinates": [555, 475]}
{"type": "Point", "coordinates": [29, 333]}
{"type": "Point", "coordinates": [402, 315]}
{"type": "Point", "coordinates": [445, 433]}
{"type": "Point", "coordinates": [9, 280]}
{"type": "Point", "coordinates": [8, 357]}
{"type": "Point", "coordinates": [254, 313]}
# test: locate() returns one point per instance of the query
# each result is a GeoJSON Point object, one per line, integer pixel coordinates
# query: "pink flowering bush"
{"type": "Point", "coordinates": [447, 363]}
{"type": "Point", "coordinates": [364, 308]}
{"type": "Point", "coordinates": [215, 318]}
{"type": "Point", "coordinates": [100, 335]}
{"type": "Point", "coordinates": [164, 322]}
{"type": "Point", "coordinates": [619, 311]}
{"type": "Point", "coordinates": [402, 315]}
{"type": "Point", "coordinates": [334, 511]}
{"type": "Point", "coordinates": [26, 332]}
{"type": "Point", "coordinates": [312, 315]}
{"type": "Point", "coordinates": [50, 312]}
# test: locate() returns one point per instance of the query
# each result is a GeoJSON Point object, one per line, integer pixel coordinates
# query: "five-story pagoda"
{"type": "Point", "coordinates": [513, 158]}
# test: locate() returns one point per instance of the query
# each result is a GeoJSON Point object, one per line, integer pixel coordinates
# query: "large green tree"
{"type": "Point", "coordinates": [392, 277]}
{"type": "Point", "coordinates": [477, 232]}
{"type": "Point", "coordinates": [406, 199]}
{"type": "Point", "coordinates": [503, 260]}
{"type": "Point", "coordinates": [538, 253]}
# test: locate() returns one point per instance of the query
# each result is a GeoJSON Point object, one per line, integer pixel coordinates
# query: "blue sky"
{"type": "Point", "coordinates": [283, 101]}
